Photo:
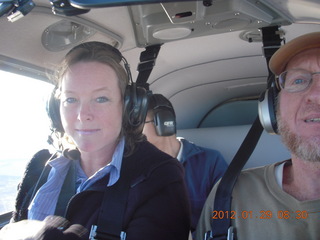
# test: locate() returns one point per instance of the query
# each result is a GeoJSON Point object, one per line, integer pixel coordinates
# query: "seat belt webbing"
{"type": "Point", "coordinates": [110, 221]}
{"type": "Point", "coordinates": [223, 198]}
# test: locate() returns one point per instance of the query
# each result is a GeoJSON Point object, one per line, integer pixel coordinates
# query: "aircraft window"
{"type": "Point", "coordinates": [24, 128]}
{"type": "Point", "coordinates": [238, 112]}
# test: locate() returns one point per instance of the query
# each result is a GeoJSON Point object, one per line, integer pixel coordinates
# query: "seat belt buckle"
{"type": "Point", "coordinates": [123, 235]}
{"type": "Point", "coordinates": [93, 234]}
{"type": "Point", "coordinates": [208, 236]}
{"type": "Point", "coordinates": [230, 235]}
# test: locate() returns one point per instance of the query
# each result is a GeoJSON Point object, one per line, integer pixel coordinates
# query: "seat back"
{"type": "Point", "coordinates": [228, 139]}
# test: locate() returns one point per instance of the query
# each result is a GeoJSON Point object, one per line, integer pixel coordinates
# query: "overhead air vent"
{"type": "Point", "coordinates": [255, 35]}
{"type": "Point", "coordinates": [251, 35]}
{"type": "Point", "coordinates": [68, 33]}
{"type": "Point", "coordinates": [65, 34]}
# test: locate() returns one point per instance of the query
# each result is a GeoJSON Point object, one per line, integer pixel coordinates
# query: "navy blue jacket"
{"type": "Point", "coordinates": [203, 168]}
{"type": "Point", "coordinates": [157, 207]}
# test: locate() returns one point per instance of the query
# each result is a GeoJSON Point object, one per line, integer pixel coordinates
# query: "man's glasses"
{"type": "Point", "coordinates": [295, 80]}
{"type": "Point", "coordinates": [150, 121]}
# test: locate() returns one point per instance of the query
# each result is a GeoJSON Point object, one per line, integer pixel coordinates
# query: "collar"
{"type": "Point", "coordinates": [179, 156]}
{"type": "Point", "coordinates": [60, 166]}
{"type": "Point", "coordinates": [113, 168]}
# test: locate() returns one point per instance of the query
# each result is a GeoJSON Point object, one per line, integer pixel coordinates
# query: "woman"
{"type": "Point", "coordinates": [91, 109]}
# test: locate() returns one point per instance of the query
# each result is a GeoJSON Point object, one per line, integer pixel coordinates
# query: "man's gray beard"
{"type": "Point", "coordinates": [305, 149]}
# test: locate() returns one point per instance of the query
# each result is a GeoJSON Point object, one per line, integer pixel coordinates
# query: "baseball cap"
{"type": "Point", "coordinates": [284, 54]}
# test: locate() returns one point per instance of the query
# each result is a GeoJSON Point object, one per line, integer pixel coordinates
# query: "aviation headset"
{"type": "Point", "coordinates": [277, 64]}
{"type": "Point", "coordinates": [135, 98]}
{"type": "Point", "coordinates": [164, 116]}
{"type": "Point", "coordinates": [267, 107]}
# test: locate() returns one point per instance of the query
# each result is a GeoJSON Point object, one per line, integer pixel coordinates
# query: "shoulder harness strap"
{"type": "Point", "coordinates": [110, 221]}
{"type": "Point", "coordinates": [221, 228]}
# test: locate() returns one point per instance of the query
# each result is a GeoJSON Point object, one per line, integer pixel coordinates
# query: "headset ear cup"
{"type": "Point", "coordinates": [53, 111]}
{"type": "Point", "coordinates": [267, 110]}
{"type": "Point", "coordinates": [136, 105]}
{"type": "Point", "coordinates": [142, 105]}
{"type": "Point", "coordinates": [165, 121]}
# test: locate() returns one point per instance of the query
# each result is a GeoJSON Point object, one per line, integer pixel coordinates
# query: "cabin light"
{"type": "Point", "coordinates": [65, 34]}
{"type": "Point", "coordinates": [172, 33]}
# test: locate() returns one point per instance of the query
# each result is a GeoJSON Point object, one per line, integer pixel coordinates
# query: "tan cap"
{"type": "Point", "coordinates": [280, 58]}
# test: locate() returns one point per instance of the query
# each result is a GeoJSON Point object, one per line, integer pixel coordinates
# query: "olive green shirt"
{"type": "Point", "coordinates": [262, 210]}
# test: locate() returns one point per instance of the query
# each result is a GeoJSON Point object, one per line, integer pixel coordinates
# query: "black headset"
{"type": "Point", "coordinates": [164, 115]}
{"type": "Point", "coordinates": [267, 107]}
{"type": "Point", "coordinates": [135, 99]}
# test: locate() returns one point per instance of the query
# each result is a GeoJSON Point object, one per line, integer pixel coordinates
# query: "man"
{"type": "Point", "coordinates": [282, 200]}
{"type": "Point", "coordinates": [203, 166]}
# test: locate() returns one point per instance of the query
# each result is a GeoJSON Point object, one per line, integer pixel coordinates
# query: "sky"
{"type": "Point", "coordinates": [24, 125]}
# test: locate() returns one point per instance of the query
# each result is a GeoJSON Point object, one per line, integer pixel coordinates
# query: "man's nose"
{"type": "Point", "coordinates": [314, 89]}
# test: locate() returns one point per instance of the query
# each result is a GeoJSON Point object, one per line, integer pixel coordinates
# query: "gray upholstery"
{"type": "Point", "coordinates": [227, 140]}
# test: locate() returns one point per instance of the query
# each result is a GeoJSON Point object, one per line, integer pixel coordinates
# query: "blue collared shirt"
{"type": "Point", "coordinates": [45, 200]}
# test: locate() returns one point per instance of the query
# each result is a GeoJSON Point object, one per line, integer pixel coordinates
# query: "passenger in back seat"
{"type": "Point", "coordinates": [282, 200]}
{"type": "Point", "coordinates": [203, 166]}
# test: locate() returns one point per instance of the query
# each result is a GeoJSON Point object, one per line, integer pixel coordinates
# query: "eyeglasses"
{"type": "Point", "coordinates": [149, 121]}
{"type": "Point", "coordinates": [295, 80]}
